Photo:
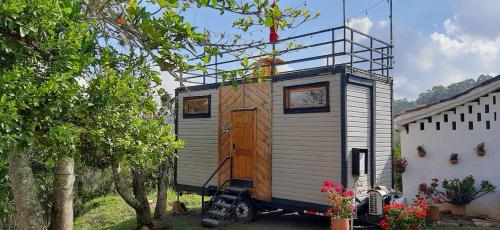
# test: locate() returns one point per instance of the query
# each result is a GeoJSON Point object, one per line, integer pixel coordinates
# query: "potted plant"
{"type": "Point", "coordinates": [454, 158]}
{"type": "Point", "coordinates": [341, 202]}
{"type": "Point", "coordinates": [431, 198]}
{"type": "Point", "coordinates": [399, 217]}
{"type": "Point", "coordinates": [421, 151]}
{"type": "Point", "coordinates": [400, 165]}
{"type": "Point", "coordinates": [422, 187]}
{"type": "Point", "coordinates": [480, 149]}
{"type": "Point", "coordinates": [460, 192]}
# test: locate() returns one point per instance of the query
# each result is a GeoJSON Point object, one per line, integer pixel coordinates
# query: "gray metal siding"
{"type": "Point", "coordinates": [198, 159]}
{"type": "Point", "coordinates": [358, 132]}
{"type": "Point", "coordinates": [383, 129]}
{"type": "Point", "coordinates": [306, 146]}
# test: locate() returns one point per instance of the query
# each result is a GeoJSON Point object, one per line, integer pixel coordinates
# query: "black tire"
{"type": "Point", "coordinates": [244, 211]}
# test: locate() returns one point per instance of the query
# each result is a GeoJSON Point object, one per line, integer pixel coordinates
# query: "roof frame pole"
{"type": "Point", "coordinates": [204, 71]}
{"type": "Point", "coordinates": [273, 54]}
{"type": "Point", "coordinates": [333, 48]}
{"type": "Point", "coordinates": [343, 13]}
{"type": "Point", "coordinates": [352, 49]}
{"type": "Point", "coordinates": [390, 61]}
{"type": "Point", "coordinates": [180, 77]}
{"type": "Point", "coordinates": [371, 57]}
{"type": "Point", "coordinates": [216, 70]}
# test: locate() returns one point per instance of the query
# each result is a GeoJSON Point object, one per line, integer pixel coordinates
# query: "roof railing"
{"type": "Point", "coordinates": [338, 46]}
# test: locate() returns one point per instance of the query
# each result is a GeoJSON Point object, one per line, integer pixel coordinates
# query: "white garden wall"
{"type": "Point", "coordinates": [441, 143]}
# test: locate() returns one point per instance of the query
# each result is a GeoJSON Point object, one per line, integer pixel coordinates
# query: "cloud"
{"type": "Point", "coordinates": [383, 24]}
{"type": "Point", "coordinates": [456, 42]}
{"type": "Point", "coordinates": [363, 24]}
{"type": "Point", "coordinates": [460, 47]}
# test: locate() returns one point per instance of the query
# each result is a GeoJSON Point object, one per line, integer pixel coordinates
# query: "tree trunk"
{"type": "Point", "coordinates": [138, 200]}
{"type": "Point", "coordinates": [29, 215]}
{"type": "Point", "coordinates": [62, 197]}
{"type": "Point", "coordinates": [143, 212]}
{"type": "Point", "coordinates": [161, 198]}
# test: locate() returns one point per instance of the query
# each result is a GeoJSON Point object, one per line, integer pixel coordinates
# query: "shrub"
{"type": "Point", "coordinates": [454, 156]}
{"type": "Point", "coordinates": [421, 149]}
{"type": "Point", "coordinates": [463, 191]}
{"type": "Point", "coordinates": [399, 217]}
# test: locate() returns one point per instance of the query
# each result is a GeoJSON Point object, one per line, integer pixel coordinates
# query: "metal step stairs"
{"type": "Point", "coordinates": [222, 206]}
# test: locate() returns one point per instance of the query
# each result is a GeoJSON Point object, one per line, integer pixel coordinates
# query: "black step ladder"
{"type": "Point", "coordinates": [222, 206]}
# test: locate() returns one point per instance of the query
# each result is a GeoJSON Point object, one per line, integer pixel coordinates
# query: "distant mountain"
{"type": "Point", "coordinates": [437, 93]}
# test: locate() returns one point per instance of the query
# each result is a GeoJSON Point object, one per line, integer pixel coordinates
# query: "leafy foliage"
{"type": "Point", "coordinates": [399, 217]}
{"type": "Point", "coordinates": [463, 191]}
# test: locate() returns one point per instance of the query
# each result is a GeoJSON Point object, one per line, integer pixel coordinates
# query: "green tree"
{"type": "Point", "coordinates": [76, 83]}
{"type": "Point", "coordinates": [44, 45]}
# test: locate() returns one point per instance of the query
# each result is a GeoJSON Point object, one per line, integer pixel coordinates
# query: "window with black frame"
{"type": "Point", "coordinates": [196, 107]}
{"type": "Point", "coordinates": [307, 98]}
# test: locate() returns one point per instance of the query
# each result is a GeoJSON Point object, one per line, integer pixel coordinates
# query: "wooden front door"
{"type": "Point", "coordinates": [243, 143]}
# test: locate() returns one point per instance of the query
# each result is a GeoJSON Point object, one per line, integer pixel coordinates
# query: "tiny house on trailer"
{"type": "Point", "coordinates": [270, 144]}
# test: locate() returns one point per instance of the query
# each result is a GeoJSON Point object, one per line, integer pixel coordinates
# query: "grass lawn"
{"type": "Point", "coordinates": [111, 213]}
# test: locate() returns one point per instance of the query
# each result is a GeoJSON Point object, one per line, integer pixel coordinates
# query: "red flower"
{"type": "Point", "coordinates": [349, 193]}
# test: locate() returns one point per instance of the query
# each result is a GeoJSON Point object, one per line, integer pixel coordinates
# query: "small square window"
{"type": "Point", "coordinates": [487, 124]}
{"type": "Point", "coordinates": [196, 107]}
{"type": "Point", "coordinates": [422, 126]}
{"type": "Point", "coordinates": [454, 125]}
{"type": "Point", "coordinates": [486, 108]}
{"type": "Point", "coordinates": [438, 126]}
{"type": "Point", "coordinates": [462, 117]}
{"type": "Point", "coordinates": [470, 108]}
{"type": "Point", "coordinates": [471, 125]}
{"type": "Point", "coordinates": [308, 98]}
{"type": "Point", "coordinates": [446, 118]}
{"type": "Point", "coordinates": [478, 116]}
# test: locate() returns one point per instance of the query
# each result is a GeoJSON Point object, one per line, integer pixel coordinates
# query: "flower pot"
{"type": "Point", "coordinates": [339, 224]}
{"type": "Point", "coordinates": [400, 169]}
{"type": "Point", "coordinates": [458, 210]}
{"type": "Point", "coordinates": [421, 154]}
{"type": "Point", "coordinates": [453, 162]}
{"type": "Point", "coordinates": [481, 152]}
{"type": "Point", "coordinates": [422, 187]}
{"type": "Point", "coordinates": [433, 213]}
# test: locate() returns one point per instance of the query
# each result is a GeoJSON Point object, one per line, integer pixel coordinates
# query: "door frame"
{"type": "Point", "coordinates": [254, 109]}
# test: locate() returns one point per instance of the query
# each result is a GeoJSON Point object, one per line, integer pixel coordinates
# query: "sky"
{"type": "Point", "coordinates": [436, 42]}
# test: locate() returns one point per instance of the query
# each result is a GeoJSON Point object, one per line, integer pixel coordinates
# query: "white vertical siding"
{"type": "Point", "coordinates": [198, 160]}
{"type": "Point", "coordinates": [383, 129]}
{"type": "Point", "coordinates": [358, 133]}
{"type": "Point", "coordinates": [306, 147]}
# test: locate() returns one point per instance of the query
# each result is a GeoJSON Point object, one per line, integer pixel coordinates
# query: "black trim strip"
{"type": "Point", "coordinates": [392, 137]}
{"type": "Point", "coordinates": [352, 79]}
{"type": "Point", "coordinates": [210, 190]}
{"type": "Point", "coordinates": [343, 126]}
{"type": "Point", "coordinates": [292, 205]}
{"type": "Point", "coordinates": [176, 131]}
{"type": "Point", "coordinates": [373, 134]}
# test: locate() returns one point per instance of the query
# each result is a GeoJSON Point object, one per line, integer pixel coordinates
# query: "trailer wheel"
{"type": "Point", "coordinates": [244, 211]}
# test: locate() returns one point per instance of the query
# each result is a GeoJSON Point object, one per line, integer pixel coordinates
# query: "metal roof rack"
{"type": "Point", "coordinates": [338, 46]}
